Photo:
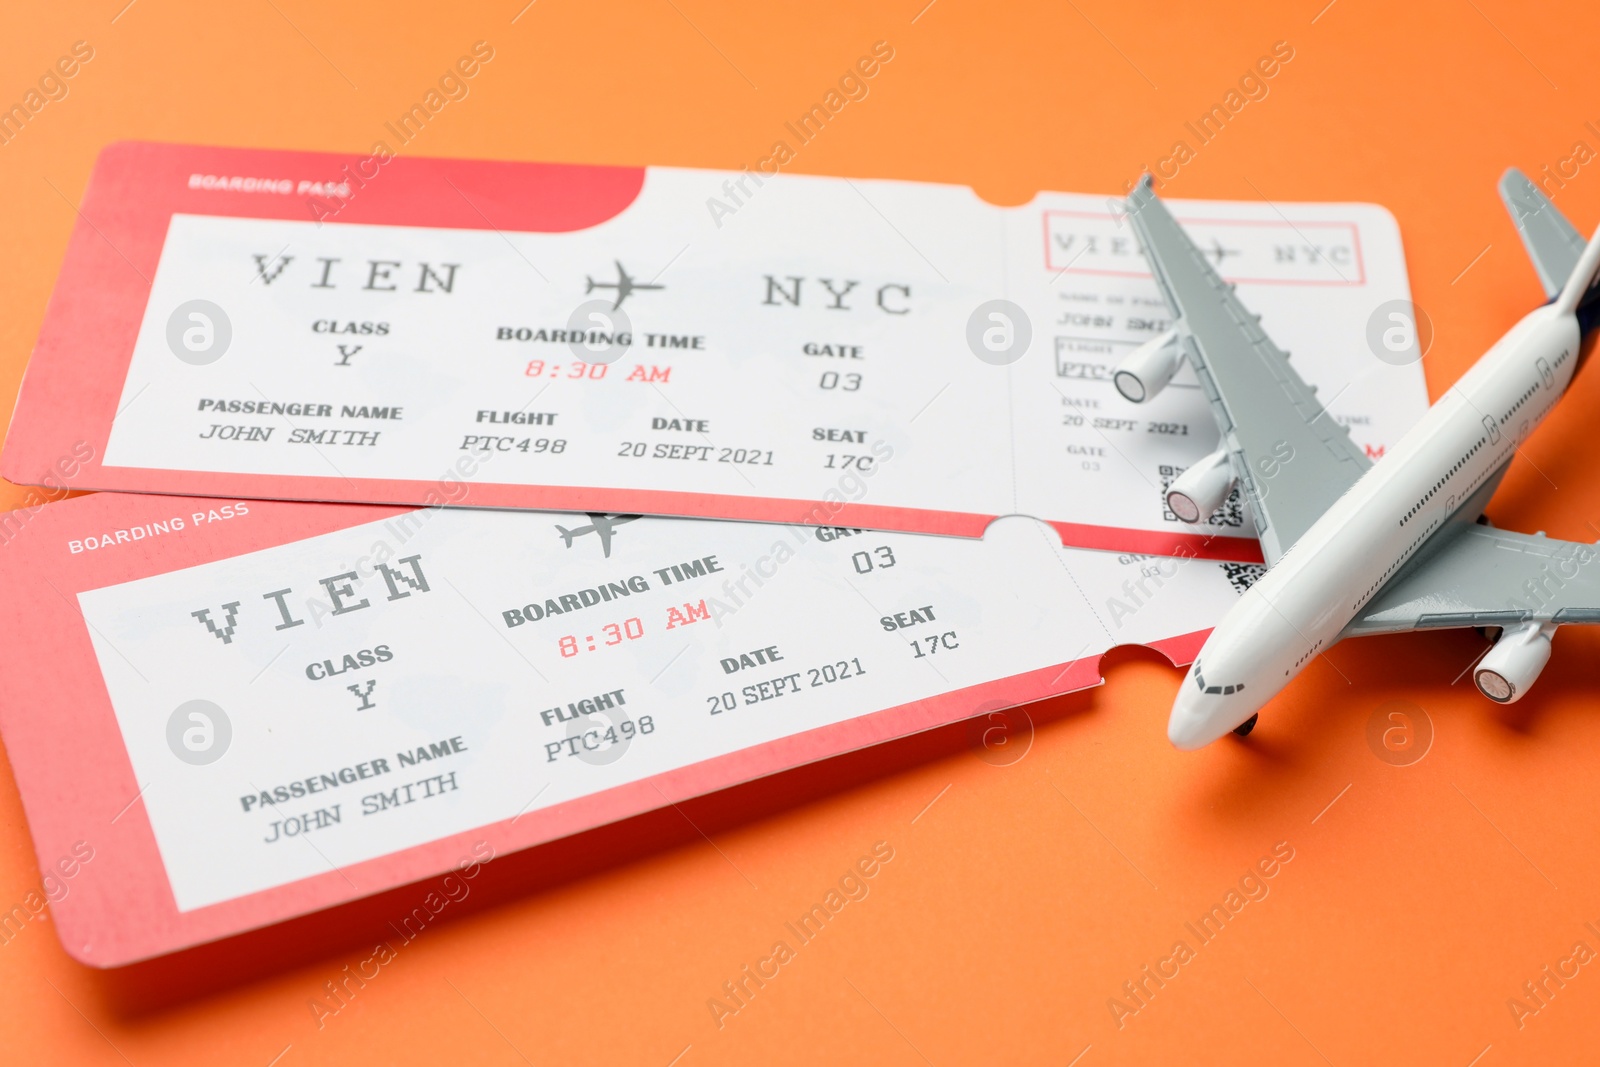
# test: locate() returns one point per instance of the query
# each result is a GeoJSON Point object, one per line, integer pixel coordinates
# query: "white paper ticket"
{"type": "Point", "coordinates": [928, 359]}
{"type": "Point", "coordinates": [299, 709]}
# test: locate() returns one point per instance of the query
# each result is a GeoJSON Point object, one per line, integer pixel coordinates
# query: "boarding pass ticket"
{"type": "Point", "coordinates": [251, 710]}
{"type": "Point", "coordinates": [671, 341]}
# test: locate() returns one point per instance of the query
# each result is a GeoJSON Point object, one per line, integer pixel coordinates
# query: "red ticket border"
{"type": "Point", "coordinates": [1355, 239]}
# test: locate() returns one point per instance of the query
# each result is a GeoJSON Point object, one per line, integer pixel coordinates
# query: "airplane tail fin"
{"type": "Point", "coordinates": [566, 535]}
{"type": "Point", "coordinates": [1552, 242]}
{"type": "Point", "coordinates": [1579, 294]}
{"type": "Point", "coordinates": [590, 287]}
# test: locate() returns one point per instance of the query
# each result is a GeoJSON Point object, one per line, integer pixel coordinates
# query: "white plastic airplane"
{"type": "Point", "coordinates": [1355, 547]}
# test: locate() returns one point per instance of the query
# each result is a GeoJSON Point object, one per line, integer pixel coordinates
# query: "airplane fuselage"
{"type": "Point", "coordinates": [1306, 599]}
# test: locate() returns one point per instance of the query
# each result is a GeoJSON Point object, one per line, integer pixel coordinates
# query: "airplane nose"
{"type": "Point", "coordinates": [1187, 723]}
{"type": "Point", "coordinates": [1187, 730]}
{"type": "Point", "coordinates": [1199, 718]}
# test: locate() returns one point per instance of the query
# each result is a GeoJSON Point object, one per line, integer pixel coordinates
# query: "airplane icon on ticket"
{"type": "Point", "coordinates": [602, 524]}
{"type": "Point", "coordinates": [624, 285]}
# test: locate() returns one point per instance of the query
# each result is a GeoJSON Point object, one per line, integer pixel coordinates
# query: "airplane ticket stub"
{"type": "Point", "coordinates": [670, 341]}
{"type": "Point", "coordinates": [254, 709]}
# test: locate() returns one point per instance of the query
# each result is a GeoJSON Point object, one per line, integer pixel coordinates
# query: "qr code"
{"type": "Point", "coordinates": [1231, 513]}
{"type": "Point", "coordinates": [1243, 575]}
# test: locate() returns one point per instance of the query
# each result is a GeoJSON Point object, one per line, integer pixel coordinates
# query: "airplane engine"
{"type": "Point", "coordinates": [1199, 491]}
{"type": "Point", "coordinates": [1516, 659]}
{"type": "Point", "coordinates": [1146, 370]}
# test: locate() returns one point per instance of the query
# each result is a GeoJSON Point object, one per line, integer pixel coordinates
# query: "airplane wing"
{"type": "Point", "coordinates": [1552, 242]}
{"type": "Point", "coordinates": [1293, 458]}
{"type": "Point", "coordinates": [1481, 576]}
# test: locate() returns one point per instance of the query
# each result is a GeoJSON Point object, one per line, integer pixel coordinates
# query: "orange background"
{"type": "Point", "coordinates": [1020, 896]}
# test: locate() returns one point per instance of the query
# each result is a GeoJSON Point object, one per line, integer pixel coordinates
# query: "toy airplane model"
{"type": "Point", "coordinates": [1355, 547]}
